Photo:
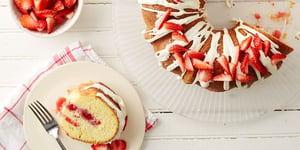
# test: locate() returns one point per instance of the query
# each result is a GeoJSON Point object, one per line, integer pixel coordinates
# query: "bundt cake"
{"type": "Point", "coordinates": [186, 44]}
{"type": "Point", "coordinates": [92, 113]}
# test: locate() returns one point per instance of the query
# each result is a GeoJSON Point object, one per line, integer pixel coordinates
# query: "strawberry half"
{"type": "Point", "coordinates": [118, 145]}
{"type": "Point", "coordinates": [267, 46]}
{"type": "Point", "coordinates": [50, 24]}
{"type": "Point", "coordinates": [58, 6]}
{"type": "Point", "coordinates": [28, 22]}
{"type": "Point", "coordinates": [222, 60]}
{"type": "Point", "coordinates": [245, 44]}
{"type": "Point", "coordinates": [69, 3]}
{"type": "Point", "coordinates": [163, 19]}
{"type": "Point", "coordinates": [256, 64]}
{"type": "Point", "coordinates": [205, 75]}
{"type": "Point", "coordinates": [243, 78]}
{"type": "Point", "coordinates": [100, 147]}
{"type": "Point", "coordinates": [276, 58]}
{"type": "Point", "coordinates": [199, 64]}
{"type": "Point", "coordinates": [38, 5]}
{"type": "Point", "coordinates": [18, 3]}
{"type": "Point", "coordinates": [42, 24]}
{"type": "Point", "coordinates": [257, 42]}
{"type": "Point", "coordinates": [198, 55]}
{"type": "Point", "coordinates": [180, 61]}
{"type": "Point", "coordinates": [223, 77]}
{"type": "Point", "coordinates": [176, 35]}
{"type": "Point", "coordinates": [24, 5]}
{"type": "Point", "coordinates": [244, 64]}
{"type": "Point", "coordinates": [173, 26]}
{"type": "Point", "coordinates": [188, 63]}
{"type": "Point", "coordinates": [177, 48]}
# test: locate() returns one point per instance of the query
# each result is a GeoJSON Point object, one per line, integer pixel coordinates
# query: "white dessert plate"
{"type": "Point", "coordinates": [54, 85]}
{"type": "Point", "coordinates": [190, 100]}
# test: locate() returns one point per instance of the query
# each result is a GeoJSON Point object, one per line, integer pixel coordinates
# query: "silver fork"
{"type": "Point", "coordinates": [46, 120]}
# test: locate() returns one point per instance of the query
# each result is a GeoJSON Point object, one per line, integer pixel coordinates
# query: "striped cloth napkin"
{"type": "Point", "coordinates": [11, 109]}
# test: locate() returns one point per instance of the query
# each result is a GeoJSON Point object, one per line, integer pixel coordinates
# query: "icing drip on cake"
{"type": "Point", "coordinates": [200, 33]}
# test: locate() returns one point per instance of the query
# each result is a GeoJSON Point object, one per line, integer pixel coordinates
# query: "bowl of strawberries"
{"type": "Point", "coordinates": [45, 18]}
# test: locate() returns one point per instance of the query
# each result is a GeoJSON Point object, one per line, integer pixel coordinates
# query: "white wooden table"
{"type": "Point", "coordinates": [21, 53]}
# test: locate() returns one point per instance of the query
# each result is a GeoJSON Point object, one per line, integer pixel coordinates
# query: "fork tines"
{"type": "Point", "coordinates": [41, 112]}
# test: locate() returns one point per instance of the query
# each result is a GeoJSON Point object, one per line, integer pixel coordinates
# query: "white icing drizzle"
{"type": "Point", "coordinates": [201, 32]}
{"type": "Point", "coordinates": [120, 113]}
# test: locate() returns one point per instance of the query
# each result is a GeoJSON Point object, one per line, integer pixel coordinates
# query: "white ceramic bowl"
{"type": "Point", "coordinates": [58, 28]}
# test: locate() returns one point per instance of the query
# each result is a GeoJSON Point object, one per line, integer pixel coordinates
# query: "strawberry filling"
{"type": "Point", "coordinates": [84, 113]}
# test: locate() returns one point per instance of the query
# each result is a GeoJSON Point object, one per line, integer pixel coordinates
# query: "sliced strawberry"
{"type": "Point", "coordinates": [100, 147]}
{"type": "Point", "coordinates": [236, 55]}
{"type": "Point", "coordinates": [38, 4]}
{"type": "Point", "coordinates": [69, 3]}
{"type": "Point", "coordinates": [34, 17]}
{"type": "Point", "coordinates": [173, 26]}
{"type": "Point", "coordinates": [199, 64]}
{"type": "Point", "coordinates": [46, 13]}
{"type": "Point", "coordinates": [276, 58]}
{"type": "Point", "coordinates": [70, 14]}
{"type": "Point", "coordinates": [50, 24]}
{"type": "Point", "coordinates": [176, 35]}
{"type": "Point", "coordinates": [223, 77]}
{"type": "Point", "coordinates": [255, 53]}
{"type": "Point", "coordinates": [118, 145]}
{"type": "Point", "coordinates": [257, 42]}
{"type": "Point", "coordinates": [59, 103]}
{"type": "Point", "coordinates": [243, 78]}
{"type": "Point", "coordinates": [188, 63]}
{"type": "Point", "coordinates": [205, 75]}
{"type": "Point", "coordinates": [277, 34]}
{"type": "Point", "coordinates": [42, 24]}
{"type": "Point", "coordinates": [180, 61]}
{"type": "Point", "coordinates": [63, 13]}
{"type": "Point", "coordinates": [267, 46]}
{"type": "Point", "coordinates": [18, 3]}
{"type": "Point", "coordinates": [163, 19]}
{"type": "Point", "coordinates": [222, 60]}
{"type": "Point", "coordinates": [176, 1]}
{"type": "Point", "coordinates": [28, 22]}
{"type": "Point", "coordinates": [256, 64]}
{"type": "Point", "coordinates": [177, 48]}
{"type": "Point", "coordinates": [198, 55]}
{"type": "Point", "coordinates": [246, 43]}
{"type": "Point", "coordinates": [58, 6]}
{"type": "Point", "coordinates": [245, 63]}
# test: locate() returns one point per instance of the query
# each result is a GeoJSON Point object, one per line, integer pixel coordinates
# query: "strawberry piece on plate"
{"type": "Point", "coordinates": [59, 103]}
{"type": "Point", "coordinates": [100, 147]}
{"type": "Point", "coordinates": [199, 64]}
{"type": "Point", "coordinates": [173, 26]}
{"type": "Point", "coordinates": [257, 42]}
{"type": "Point", "coordinates": [188, 63]}
{"type": "Point", "coordinates": [180, 61]}
{"type": "Point", "coordinates": [205, 75]}
{"type": "Point", "coordinates": [176, 35]}
{"type": "Point", "coordinates": [28, 22]}
{"type": "Point", "coordinates": [198, 55]}
{"type": "Point", "coordinates": [276, 58]}
{"type": "Point", "coordinates": [267, 46]}
{"type": "Point", "coordinates": [177, 48]}
{"type": "Point", "coordinates": [223, 77]}
{"type": "Point", "coordinates": [243, 78]}
{"type": "Point", "coordinates": [222, 60]}
{"type": "Point", "coordinates": [50, 24]}
{"type": "Point", "coordinates": [163, 19]}
{"type": "Point", "coordinates": [246, 43]}
{"type": "Point", "coordinates": [69, 3]}
{"type": "Point", "coordinates": [58, 6]}
{"type": "Point", "coordinates": [244, 64]}
{"type": "Point", "coordinates": [118, 145]}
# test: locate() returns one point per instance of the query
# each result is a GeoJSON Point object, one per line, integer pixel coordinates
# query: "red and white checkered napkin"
{"type": "Point", "coordinates": [11, 130]}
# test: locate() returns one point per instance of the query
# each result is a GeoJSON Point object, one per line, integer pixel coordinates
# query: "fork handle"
{"type": "Point", "coordinates": [60, 144]}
